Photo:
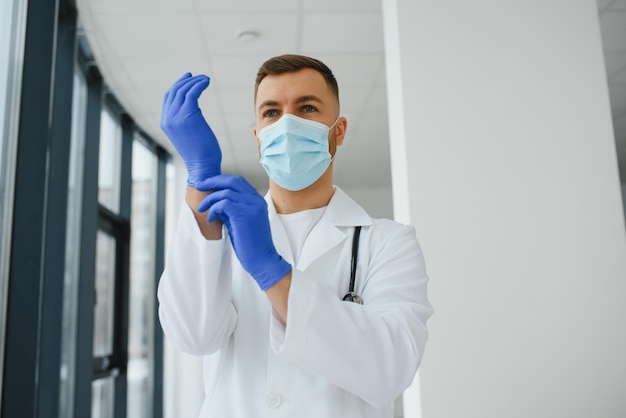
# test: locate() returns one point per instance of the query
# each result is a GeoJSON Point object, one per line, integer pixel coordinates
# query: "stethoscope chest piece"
{"type": "Point", "coordinates": [353, 297]}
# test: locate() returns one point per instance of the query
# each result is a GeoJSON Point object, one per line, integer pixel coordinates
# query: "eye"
{"type": "Point", "coordinates": [308, 108]}
{"type": "Point", "coordinates": [270, 113]}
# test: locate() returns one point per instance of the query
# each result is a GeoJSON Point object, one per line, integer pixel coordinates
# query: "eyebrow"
{"type": "Point", "coordinates": [268, 103]}
{"type": "Point", "coordinates": [301, 99]}
{"type": "Point", "coordinates": [309, 98]}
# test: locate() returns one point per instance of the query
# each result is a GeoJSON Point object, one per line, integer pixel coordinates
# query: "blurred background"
{"type": "Point", "coordinates": [496, 128]}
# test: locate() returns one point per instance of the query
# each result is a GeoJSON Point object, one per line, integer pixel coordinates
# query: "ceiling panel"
{"type": "Point", "coordinates": [368, 132]}
{"type": "Point", "coordinates": [335, 6]}
{"type": "Point", "coordinates": [618, 98]}
{"type": "Point", "coordinates": [170, 70]}
{"type": "Point", "coordinates": [342, 32]}
{"type": "Point", "coordinates": [237, 70]}
{"type": "Point", "coordinates": [143, 35]}
{"type": "Point", "coordinates": [246, 6]}
{"type": "Point", "coordinates": [209, 103]}
{"type": "Point", "coordinates": [239, 122]}
{"type": "Point", "coordinates": [377, 101]}
{"type": "Point", "coordinates": [136, 6]}
{"type": "Point", "coordinates": [619, 78]}
{"type": "Point", "coordinates": [618, 5]}
{"type": "Point", "coordinates": [351, 69]}
{"type": "Point", "coordinates": [613, 28]}
{"type": "Point", "coordinates": [620, 125]}
{"type": "Point", "coordinates": [615, 63]}
{"type": "Point", "coordinates": [353, 98]}
{"type": "Point", "coordinates": [234, 99]}
{"type": "Point", "coordinates": [277, 33]}
{"type": "Point", "coordinates": [366, 148]}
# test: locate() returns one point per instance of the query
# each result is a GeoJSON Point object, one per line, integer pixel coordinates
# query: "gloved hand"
{"type": "Point", "coordinates": [244, 212]}
{"type": "Point", "coordinates": [184, 125]}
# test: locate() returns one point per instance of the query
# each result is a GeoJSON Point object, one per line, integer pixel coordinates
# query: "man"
{"type": "Point", "coordinates": [257, 285]}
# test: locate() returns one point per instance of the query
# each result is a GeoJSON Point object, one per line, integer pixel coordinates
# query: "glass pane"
{"type": "Point", "coordinates": [103, 398]}
{"type": "Point", "coordinates": [105, 295]}
{"type": "Point", "coordinates": [142, 283]}
{"type": "Point", "coordinates": [12, 22]}
{"type": "Point", "coordinates": [72, 249]}
{"type": "Point", "coordinates": [109, 162]}
{"type": "Point", "coordinates": [172, 199]}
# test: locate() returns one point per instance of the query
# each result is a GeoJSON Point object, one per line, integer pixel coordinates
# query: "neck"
{"type": "Point", "coordinates": [315, 196]}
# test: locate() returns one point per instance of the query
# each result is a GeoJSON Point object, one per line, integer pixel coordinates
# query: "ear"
{"type": "Point", "coordinates": [258, 141]}
{"type": "Point", "coordinates": [340, 130]}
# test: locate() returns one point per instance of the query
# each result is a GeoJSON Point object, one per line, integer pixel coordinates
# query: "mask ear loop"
{"type": "Point", "coordinates": [329, 128]}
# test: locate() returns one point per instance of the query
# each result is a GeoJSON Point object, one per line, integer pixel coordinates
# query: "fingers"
{"type": "Point", "coordinates": [185, 88]}
{"type": "Point", "coordinates": [170, 92]}
{"type": "Point", "coordinates": [234, 182]}
{"type": "Point", "coordinates": [226, 204]}
{"type": "Point", "coordinates": [183, 93]}
{"type": "Point", "coordinates": [236, 197]}
{"type": "Point", "coordinates": [218, 210]}
{"type": "Point", "coordinates": [232, 196]}
{"type": "Point", "coordinates": [198, 87]}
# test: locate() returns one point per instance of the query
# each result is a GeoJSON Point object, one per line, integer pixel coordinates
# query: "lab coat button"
{"type": "Point", "coordinates": [273, 400]}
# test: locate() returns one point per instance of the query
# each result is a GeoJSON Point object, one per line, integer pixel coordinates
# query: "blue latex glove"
{"type": "Point", "coordinates": [244, 212]}
{"type": "Point", "coordinates": [184, 125]}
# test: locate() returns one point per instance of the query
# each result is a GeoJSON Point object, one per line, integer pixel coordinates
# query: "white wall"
{"type": "Point", "coordinates": [377, 201]}
{"type": "Point", "coordinates": [624, 198]}
{"type": "Point", "coordinates": [503, 157]}
{"type": "Point", "coordinates": [183, 389]}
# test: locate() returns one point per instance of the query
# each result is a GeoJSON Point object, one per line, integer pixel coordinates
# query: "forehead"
{"type": "Point", "coordinates": [287, 86]}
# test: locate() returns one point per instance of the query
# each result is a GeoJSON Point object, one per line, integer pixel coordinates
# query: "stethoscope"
{"type": "Point", "coordinates": [351, 296]}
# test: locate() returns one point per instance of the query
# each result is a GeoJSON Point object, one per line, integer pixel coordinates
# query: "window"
{"type": "Point", "coordinates": [73, 244]}
{"type": "Point", "coordinates": [104, 308]}
{"type": "Point", "coordinates": [79, 336]}
{"type": "Point", "coordinates": [109, 166]}
{"type": "Point", "coordinates": [103, 398]}
{"type": "Point", "coordinates": [110, 309]}
{"type": "Point", "coordinates": [142, 282]}
{"type": "Point", "coordinates": [12, 19]}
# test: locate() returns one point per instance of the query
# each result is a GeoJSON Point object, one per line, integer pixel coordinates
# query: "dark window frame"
{"type": "Point", "coordinates": [35, 289]}
{"type": "Point", "coordinates": [53, 49]}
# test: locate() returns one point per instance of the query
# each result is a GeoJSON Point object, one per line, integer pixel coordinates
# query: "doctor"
{"type": "Point", "coordinates": [301, 304]}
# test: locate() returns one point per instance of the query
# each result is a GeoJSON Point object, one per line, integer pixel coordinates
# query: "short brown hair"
{"type": "Point", "coordinates": [290, 63]}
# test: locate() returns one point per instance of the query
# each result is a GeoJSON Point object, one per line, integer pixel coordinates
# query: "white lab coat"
{"type": "Point", "coordinates": [333, 358]}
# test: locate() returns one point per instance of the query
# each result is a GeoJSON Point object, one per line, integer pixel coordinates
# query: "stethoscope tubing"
{"type": "Point", "coordinates": [351, 296]}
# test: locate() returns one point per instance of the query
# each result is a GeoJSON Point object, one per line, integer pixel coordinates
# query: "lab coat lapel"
{"type": "Point", "coordinates": [279, 235]}
{"type": "Point", "coordinates": [341, 211]}
{"type": "Point", "coordinates": [323, 237]}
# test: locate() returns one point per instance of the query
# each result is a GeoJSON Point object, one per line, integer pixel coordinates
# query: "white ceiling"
{"type": "Point", "coordinates": [142, 46]}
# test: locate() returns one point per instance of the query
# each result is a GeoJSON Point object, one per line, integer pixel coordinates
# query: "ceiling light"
{"type": "Point", "coordinates": [248, 35]}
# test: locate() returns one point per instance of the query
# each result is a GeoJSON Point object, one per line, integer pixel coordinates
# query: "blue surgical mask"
{"type": "Point", "coordinates": [294, 151]}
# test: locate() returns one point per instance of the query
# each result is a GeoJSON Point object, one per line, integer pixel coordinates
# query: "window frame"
{"type": "Point", "coordinates": [35, 286]}
{"type": "Point", "coordinates": [54, 49]}
{"type": "Point", "coordinates": [13, 38]}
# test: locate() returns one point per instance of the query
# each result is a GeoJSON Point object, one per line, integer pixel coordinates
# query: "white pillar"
{"type": "Point", "coordinates": [503, 157]}
{"type": "Point", "coordinates": [183, 385]}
